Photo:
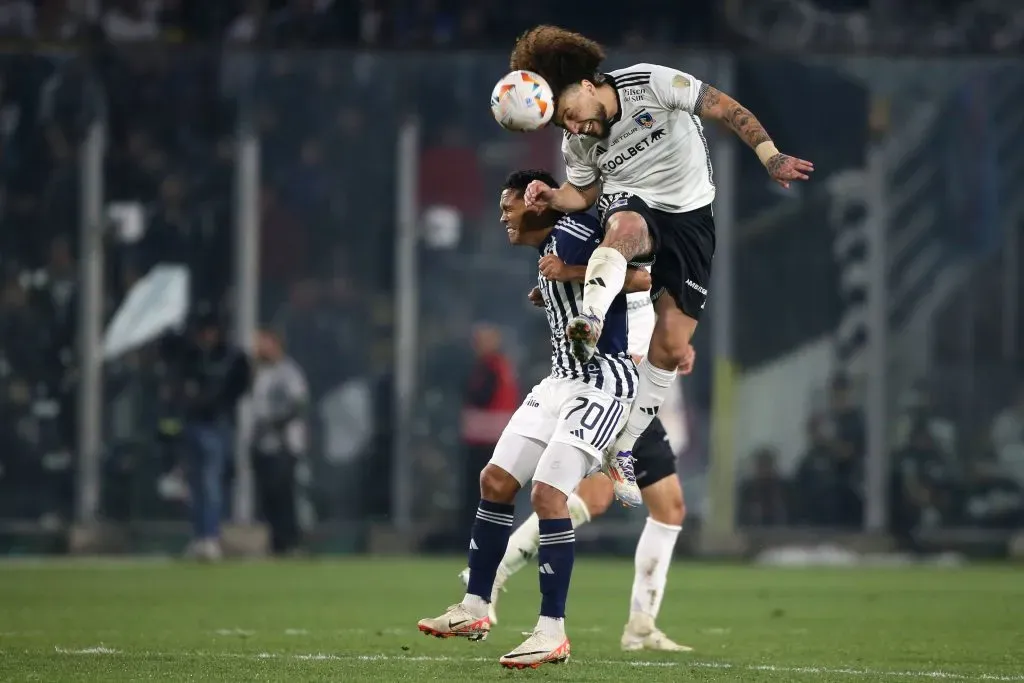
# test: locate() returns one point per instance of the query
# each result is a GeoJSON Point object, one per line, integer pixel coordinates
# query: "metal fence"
{"type": "Point", "coordinates": [349, 200]}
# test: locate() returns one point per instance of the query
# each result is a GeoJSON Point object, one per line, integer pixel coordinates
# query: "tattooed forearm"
{"type": "Point", "coordinates": [714, 104]}
{"type": "Point", "coordinates": [746, 125]}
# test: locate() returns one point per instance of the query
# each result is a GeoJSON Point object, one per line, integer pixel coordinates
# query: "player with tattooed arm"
{"type": "Point", "coordinates": [634, 144]}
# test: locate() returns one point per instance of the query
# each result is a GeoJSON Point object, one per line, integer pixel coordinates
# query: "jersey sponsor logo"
{"type": "Point", "coordinates": [693, 285]}
{"type": "Point", "coordinates": [633, 94]}
{"type": "Point", "coordinates": [645, 119]}
{"type": "Point", "coordinates": [632, 151]}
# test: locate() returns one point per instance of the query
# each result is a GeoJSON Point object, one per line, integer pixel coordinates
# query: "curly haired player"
{"type": "Point", "coordinates": [635, 146]}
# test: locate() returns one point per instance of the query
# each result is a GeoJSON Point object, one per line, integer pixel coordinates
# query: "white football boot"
{"type": "Point", "coordinates": [540, 648]}
{"type": "Point", "coordinates": [457, 622]}
{"type": "Point", "coordinates": [641, 634]}
{"type": "Point", "coordinates": [619, 468]}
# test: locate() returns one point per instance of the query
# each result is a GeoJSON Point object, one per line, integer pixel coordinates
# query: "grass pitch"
{"type": "Point", "coordinates": [355, 620]}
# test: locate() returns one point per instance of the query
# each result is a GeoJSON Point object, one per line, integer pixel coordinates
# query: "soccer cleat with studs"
{"type": "Point", "coordinates": [456, 622]}
{"type": "Point", "coordinates": [583, 332]}
{"type": "Point", "coordinates": [619, 468]}
{"type": "Point", "coordinates": [539, 648]}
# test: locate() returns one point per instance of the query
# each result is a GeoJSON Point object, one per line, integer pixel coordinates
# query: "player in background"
{"type": "Point", "coordinates": [556, 438]}
{"type": "Point", "coordinates": [634, 145]}
{"type": "Point", "coordinates": [656, 476]}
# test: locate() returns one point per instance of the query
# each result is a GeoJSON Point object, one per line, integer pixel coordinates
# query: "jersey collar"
{"type": "Point", "coordinates": [610, 80]}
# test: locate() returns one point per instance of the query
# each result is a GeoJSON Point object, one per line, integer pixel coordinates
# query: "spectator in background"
{"type": "Point", "coordinates": [763, 494]}
{"type": "Point", "coordinates": [1007, 435]}
{"type": "Point", "coordinates": [491, 396]}
{"type": "Point", "coordinates": [918, 406]}
{"type": "Point", "coordinates": [214, 376]}
{"type": "Point", "coordinates": [279, 440]}
{"type": "Point", "coordinates": [817, 477]}
{"type": "Point", "coordinates": [849, 436]}
{"type": "Point", "coordinates": [920, 493]}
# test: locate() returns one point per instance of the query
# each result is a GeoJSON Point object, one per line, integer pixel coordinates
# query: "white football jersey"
{"type": "Point", "coordinates": [641, 316]}
{"type": "Point", "coordinates": [655, 148]}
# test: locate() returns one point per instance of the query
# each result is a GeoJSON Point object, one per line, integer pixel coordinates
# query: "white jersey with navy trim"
{"type": "Point", "coordinates": [655, 149]}
{"type": "Point", "coordinates": [611, 370]}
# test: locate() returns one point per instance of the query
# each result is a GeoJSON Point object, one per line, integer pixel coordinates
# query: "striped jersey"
{"type": "Point", "coordinates": [655, 149]}
{"type": "Point", "coordinates": [611, 370]}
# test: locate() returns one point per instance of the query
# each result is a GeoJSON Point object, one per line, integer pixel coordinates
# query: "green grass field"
{"type": "Point", "coordinates": [355, 620]}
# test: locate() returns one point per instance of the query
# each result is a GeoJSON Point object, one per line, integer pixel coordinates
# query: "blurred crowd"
{"type": "Point", "coordinates": [340, 23]}
{"type": "Point", "coordinates": [487, 23]}
{"type": "Point", "coordinates": [942, 474]}
{"type": "Point", "coordinates": [326, 202]}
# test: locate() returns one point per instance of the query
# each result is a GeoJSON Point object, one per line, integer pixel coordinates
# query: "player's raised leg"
{"type": "Point", "coordinates": [653, 558]}
{"type": "Point", "coordinates": [514, 461]}
{"type": "Point", "coordinates": [561, 469]}
{"type": "Point", "coordinates": [590, 500]}
{"type": "Point", "coordinates": [670, 349]}
{"type": "Point", "coordinates": [626, 237]}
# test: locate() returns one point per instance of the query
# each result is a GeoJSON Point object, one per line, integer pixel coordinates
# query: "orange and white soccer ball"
{"type": "Point", "coordinates": [522, 101]}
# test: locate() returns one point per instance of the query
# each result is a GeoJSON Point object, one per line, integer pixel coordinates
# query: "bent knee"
{"type": "Point", "coordinates": [548, 502]}
{"type": "Point", "coordinates": [671, 511]}
{"type": "Point", "coordinates": [670, 349]}
{"type": "Point", "coordinates": [626, 231]}
{"type": "Point", "coordinates": [497, 485]}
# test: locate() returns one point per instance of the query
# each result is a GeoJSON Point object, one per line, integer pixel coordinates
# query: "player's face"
{"type": "Point", "coordinates": [516, 217]}
{"type": "Point", "coordinates": [580, 111]}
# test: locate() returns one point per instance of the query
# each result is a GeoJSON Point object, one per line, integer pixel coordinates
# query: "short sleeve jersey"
{"type": "Point", "coordinates": [655, 148]}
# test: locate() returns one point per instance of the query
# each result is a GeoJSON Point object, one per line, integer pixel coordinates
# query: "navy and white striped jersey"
{"type": "Point", "coordinates": [573, 240]}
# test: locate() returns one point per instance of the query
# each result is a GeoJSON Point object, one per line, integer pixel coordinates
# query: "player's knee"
{"type": "Point", "coordinates": [669, 349]}
{"type": "Point", "coordinates": [596, 492]}
{"type": "Point", "coordinates": [497, 485]}
{"type": "Point", "coordinates": [548, 502]}
{"type": "Point", "coordinates": [626, 231]}
{"type": "Point", "coordinates": [670, 509]}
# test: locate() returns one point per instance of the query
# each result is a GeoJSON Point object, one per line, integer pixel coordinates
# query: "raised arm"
{"type": "Point", "coordinates": [571, 198]}
{"type": "Point", "coordinates": [715, 105]}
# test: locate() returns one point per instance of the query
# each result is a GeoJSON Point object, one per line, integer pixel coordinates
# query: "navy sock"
{"type": "Point", "coordinates": [555, 558]}
{"type": "Point", "coordinates": [487, 544]}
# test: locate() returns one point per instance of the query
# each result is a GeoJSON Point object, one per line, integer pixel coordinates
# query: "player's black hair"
{"type": "Point", "coordinates": [518, 180]}
{"type": "Point", "coordinates": [562, 57]}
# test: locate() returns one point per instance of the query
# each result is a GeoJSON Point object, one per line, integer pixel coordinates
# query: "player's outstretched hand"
{"type": "Point", "coordinates": [538, 194]}
{"type": "Point", "coordinates": [535, 297]}
{"type": "Point", "coordinates": [686, 367]}
{"type": "Point", "coordinates": [553, 268]}
{"type": "Point", "coordinates": [784, 168]}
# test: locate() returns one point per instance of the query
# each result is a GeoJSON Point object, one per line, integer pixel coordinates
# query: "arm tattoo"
{"type": "Point", "coordinates": [744, 124]}
{"type": "Point", "coordinates": [712, 103]}
{"type": "Point", "coordinates": [775, 163]}
{"type": "Point", "coordinates": [706, 97]}
{"type": "Point", "coordinates": [584, 188]}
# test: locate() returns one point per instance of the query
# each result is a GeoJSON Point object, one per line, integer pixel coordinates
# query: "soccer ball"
{"type": "Point", "coordinates": [522, 101]}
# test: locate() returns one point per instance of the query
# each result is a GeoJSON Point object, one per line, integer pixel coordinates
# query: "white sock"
{"type": "Point", "coordinates": [524, 541]}
{"type": "Point", "coordinates": [606, 274]}
{"type": "Point", "coordinates": [651, 392]}
{"type": "Point", "coordinates": [551, 625]}
{"type": "Point", "coordinates": [653, 557]}
{"type": "Point", "coordinates": [476, 605]}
